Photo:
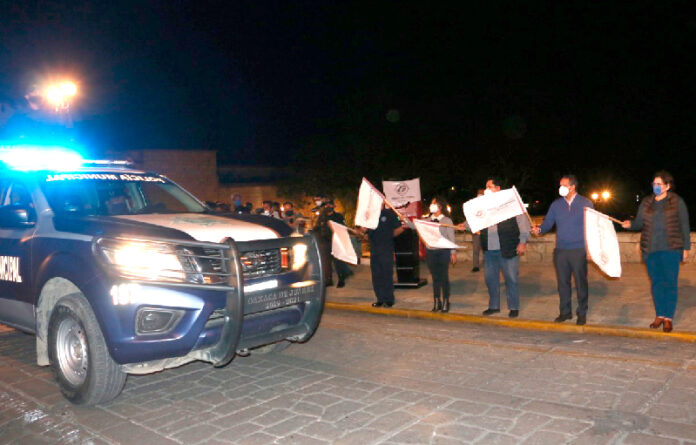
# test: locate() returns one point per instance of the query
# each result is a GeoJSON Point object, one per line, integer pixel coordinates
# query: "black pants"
{"type": "Point", "coordinates": [438, 262]}
{"type": "Point", "coordinates": [329, 262]}
{"type": "Point", "coordinates": [382, 267]}
{"type": "Point", "coordinates": [571, 262]}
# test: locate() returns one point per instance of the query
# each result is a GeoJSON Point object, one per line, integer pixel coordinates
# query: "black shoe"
{"type": "Point", "coordinates": [563, 317]}
{"type": "Point", "coordinates": [437, 305]}
{"type": "Point", "coordinates": [514, 313]}
{"type": "Point", "coordinates": [445, 305]}
{"type": "Point", "coordinates": [341, 283]}
{"type": "Point", "coordinates": [490, 311]}
{"type": "Point", "coordinates": [388, 304]}
{"type": "Point", "coordinates": [582, 319]}
{"type": "Point", "coordinates": [475, 269]}
{"type": "Point", "coordinates": [377, 304]}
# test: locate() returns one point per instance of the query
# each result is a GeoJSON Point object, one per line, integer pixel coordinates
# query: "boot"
{"type": "Point", "coordinates": [445, 306]}
{"type": "Point", "coordinates": [437, 305]}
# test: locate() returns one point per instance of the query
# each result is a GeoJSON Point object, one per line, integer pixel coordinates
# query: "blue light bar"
{"type": "Point", "coordinates": [33, 157]}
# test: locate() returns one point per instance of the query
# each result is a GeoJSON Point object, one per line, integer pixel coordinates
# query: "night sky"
{"type": "Point", "coordinates": [452, 93]}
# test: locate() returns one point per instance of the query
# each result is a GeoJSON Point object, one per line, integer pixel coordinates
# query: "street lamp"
{"type": "Point", "coordinates": [60, 94]}
{"type": "Point", "coordinates": [594, 196]}
{"type": "Point", "coordinates": [606, 195]}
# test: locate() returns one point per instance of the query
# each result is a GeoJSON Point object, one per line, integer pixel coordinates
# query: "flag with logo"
{"type": "Point", "coordinates": [370, 202]}
{"type": "Point", "coordinates": [404, 195]}
{"type": "Point", "coordinates": [602, 243]}
{"type": "Point", "coordinates": [492, 208]}
{"type": "Point", "coordinates": [430, 233]}
{"type": "Point", "coordinates": [341, 245]}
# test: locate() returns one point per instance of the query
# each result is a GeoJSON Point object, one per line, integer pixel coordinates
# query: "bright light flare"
{"type": "Point", "coordinates": [606, 194]}
{"type": "Point", "coordinates": [60, 94]}
{"type": "Point", "coordinates": [30, 157]}
{"type": "Point", "coordinates": [595, 196]}
{"type": "Point", "coordinates": [299, 256]}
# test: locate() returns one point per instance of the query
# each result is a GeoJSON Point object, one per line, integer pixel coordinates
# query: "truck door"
{"type": "Point", "coordinates": [16, 301]}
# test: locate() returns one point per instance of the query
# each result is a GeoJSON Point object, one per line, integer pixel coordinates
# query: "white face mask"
{"type": "Point", "coordinates": [487, 192]}
{"type": "Point", "coordinates": [434, 208]}
{"type": "Point", "coordinates": [563, 191]}
{"type": "Point", "coordinates": [318, 202]}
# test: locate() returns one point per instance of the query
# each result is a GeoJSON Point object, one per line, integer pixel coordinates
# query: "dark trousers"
{"type": "Point", "coordinates": [571, 262]}
{"type": "Point", "coordinates": [475, 250]}
{"type": "Point", "coordinates": [329, 263]}
{"type": "Point", "coordinates": [438, 262]}
{"type": "Point", "coordinates": [663, 269]}
{"type": "Point", "coordinates": [382, 267]}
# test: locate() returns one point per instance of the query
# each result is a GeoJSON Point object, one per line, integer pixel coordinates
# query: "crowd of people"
{"type": "Point", "coordinates": [662, 218]}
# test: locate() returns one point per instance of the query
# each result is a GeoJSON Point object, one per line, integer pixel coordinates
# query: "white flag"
{"type": "Point", "coordinates": [602, 243]}
{"type": "Point", "coordinates": [341, 246]}
{"type": "Point", "coordinates": [487, 210]}
{"type": "Point", "coordinates": [431, 235]}
{"type": "Point", "coordinates": [369, 205]}
{"type": "Point", "coordinates": [400, 193]}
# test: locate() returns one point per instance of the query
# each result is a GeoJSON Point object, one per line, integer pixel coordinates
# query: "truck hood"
{"type": "Point", "coordinates": [207, 227]}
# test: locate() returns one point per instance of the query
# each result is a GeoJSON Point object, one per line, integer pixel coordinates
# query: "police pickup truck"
{"type": "Point", "coordinates": [119, 271]}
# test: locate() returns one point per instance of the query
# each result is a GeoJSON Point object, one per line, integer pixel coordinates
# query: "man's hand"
{"type": "Point", "coordinates": [536, 230]}
{"type": "Point", "coordinates": [521, 249]}
{"type": "Point", "coordinates": [627, 225]}
{"type": "Point", "coordinates": [453, 258]}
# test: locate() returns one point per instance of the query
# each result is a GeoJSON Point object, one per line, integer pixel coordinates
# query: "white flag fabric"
{"type": "Point", "coordinates": [602, 243]}
{"type": "Point", "coordinates": [487, 210]}
{"type": "Point", "coordinates": [370, 202]}
{"type": "Point", "coordinates": [400, 193]}
{"type": "Point", "coordinates": [431, 235]}
{"type": "Point", "coordinates": [341, 246]}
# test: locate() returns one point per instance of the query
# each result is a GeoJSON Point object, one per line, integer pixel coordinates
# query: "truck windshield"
{"type": "Point", "coordinates": [116, 194]}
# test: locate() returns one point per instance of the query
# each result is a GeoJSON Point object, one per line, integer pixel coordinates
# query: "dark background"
{"type": "Point", "coordinates": [340, 90]}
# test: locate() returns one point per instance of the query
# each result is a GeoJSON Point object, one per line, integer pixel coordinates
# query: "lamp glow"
{"type": "Point", "coordinates": [299, 256]}
{"type": "Point", "coordinates": [595, 196]}
{"type": "Point", "coordinates": [606, 195]}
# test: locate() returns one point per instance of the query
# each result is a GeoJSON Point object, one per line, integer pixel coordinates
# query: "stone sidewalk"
{"type": "Point", "coordinates": [625, 302]}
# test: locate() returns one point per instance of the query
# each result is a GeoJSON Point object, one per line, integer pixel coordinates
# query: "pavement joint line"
{"type": "Point", "coordinates": [533, 325]}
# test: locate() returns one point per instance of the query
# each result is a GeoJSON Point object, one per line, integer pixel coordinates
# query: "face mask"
{"type": "Point", "coordinates": [434, 208]}
{"type": "Point", "coordinates": [657, 189]}
{"type": "Point", "coordinates": [563, 191]}
{"type": "Point", "coordinates": [238, 203]}
{"type": "Point", "coordinates": [487, 192]}
{"type": "Point", "coordinates": [318, 202]}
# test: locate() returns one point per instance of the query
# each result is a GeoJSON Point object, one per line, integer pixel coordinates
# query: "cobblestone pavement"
{"type": "Point", "coordinates": [371, 379]}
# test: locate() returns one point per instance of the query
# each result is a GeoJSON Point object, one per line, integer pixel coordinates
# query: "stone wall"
{"type": "Point", "coordinates": [540, 248]}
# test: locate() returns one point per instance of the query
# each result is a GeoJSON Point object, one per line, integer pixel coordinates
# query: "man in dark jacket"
{"type": "Point", "coordinates": [502, 244]}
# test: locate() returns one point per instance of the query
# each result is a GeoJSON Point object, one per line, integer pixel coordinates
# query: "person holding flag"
{"type": "Point", "coordinates": [382, 256]}
{"type": "Point", "coordinates": [567, 213]}
{"type": "Point", "coordinates": [502, 244]}
{"type": "Point", "coordinates": [438, 260]}
{"type": "Point", "coordinates": [665, 240]}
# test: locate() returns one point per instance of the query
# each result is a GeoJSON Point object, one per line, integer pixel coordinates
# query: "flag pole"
{"type": "Point", "coordinates": [519, 200]}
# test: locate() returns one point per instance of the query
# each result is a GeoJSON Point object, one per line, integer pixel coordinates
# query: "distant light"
{"type": "Point", "coordinates": [452, 188]}
{"type": "Point", "coordinates": [32, 157]}
{"type": "Point", "coordinates": [595, 196]}
{"type": "Point", "coordinates": [606, 194]}
{"type": "Point", "coordinates": [59, 95]}
{"type": "Point", "coordinates": [449, 209]}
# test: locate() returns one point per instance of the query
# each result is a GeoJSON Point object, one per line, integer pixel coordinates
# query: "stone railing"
{"type": "Point", "coordinates": [540, 248]}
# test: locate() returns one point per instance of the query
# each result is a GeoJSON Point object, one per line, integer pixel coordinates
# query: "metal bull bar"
{"type": "Point", "coordinates": [226, 348]}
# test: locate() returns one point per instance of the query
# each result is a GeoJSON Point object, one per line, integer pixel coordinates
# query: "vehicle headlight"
{"type": "Point", "coordinates": [144, 260]}
{"type": "Point", "coordinates": [299, 256]}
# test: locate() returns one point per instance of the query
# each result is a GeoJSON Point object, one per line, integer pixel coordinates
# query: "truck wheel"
{"type": "Point", "coordinates": [80, 360]}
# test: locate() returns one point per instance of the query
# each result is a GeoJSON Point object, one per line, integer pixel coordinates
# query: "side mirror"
{"type": "Point", "coordinates": [17, 216]}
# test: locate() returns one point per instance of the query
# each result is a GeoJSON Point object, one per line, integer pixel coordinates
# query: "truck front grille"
{"type": "Point", "coordinates": [259, 263]}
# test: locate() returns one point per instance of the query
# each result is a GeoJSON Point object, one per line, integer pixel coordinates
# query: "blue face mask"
{"type": "Point", "coordinates": [657, 189]}
{"type": "Point", "coordinates": [237, 203]}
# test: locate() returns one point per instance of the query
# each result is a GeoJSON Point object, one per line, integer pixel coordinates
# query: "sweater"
{"type": "Point", "coordinates": [569, 221]}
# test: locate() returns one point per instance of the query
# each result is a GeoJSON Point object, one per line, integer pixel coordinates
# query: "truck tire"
{"type": "Point", "coordinates": [80, 360]}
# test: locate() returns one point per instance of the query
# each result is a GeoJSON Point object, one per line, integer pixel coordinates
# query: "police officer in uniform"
{"type": "Point", "coordinates": [382, 257]}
